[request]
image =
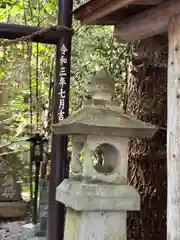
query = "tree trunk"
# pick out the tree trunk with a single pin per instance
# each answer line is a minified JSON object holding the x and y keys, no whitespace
{"x":147,"y":101}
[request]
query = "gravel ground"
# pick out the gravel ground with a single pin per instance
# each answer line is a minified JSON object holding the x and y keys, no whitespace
{"x":16,"y":231}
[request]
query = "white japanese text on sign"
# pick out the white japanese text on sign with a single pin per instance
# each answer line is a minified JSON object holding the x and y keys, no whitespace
{"x":62,"y":82}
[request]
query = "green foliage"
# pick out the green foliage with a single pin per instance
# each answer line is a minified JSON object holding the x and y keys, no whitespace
{"x":92,"y":49}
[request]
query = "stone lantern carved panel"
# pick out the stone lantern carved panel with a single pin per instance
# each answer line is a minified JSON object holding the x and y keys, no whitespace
{"x":76,"y":164}
{"x":113,"y":169}
{"x":101,"y":157}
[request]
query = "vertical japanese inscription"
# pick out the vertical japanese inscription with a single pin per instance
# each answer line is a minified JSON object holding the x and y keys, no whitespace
{"x":62,"y":81}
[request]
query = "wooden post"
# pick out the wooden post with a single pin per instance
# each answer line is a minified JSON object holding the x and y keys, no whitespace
{"x":173,"y":131}
{"x":59,"y":161}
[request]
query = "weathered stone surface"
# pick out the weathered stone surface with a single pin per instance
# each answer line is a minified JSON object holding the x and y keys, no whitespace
{"x":93,"y":197}
{"x":43,"y":209}
{"x":97,"y":225}
{"x":11,"y":205}
{"x":115,"y":155}
{"x":12,"y":209}
{"x":10,"y":189}
{"x":44,"y":184}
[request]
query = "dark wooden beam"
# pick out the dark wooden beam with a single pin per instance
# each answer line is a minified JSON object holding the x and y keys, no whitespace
{"x":120,"y":15}
{"x":148,"y":2}
{"x":93,"y":11}
{"x":13,"y":31}
{"x":148,"y":23}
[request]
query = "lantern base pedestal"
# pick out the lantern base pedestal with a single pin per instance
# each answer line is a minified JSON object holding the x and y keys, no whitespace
{"x":100,"y":225}
{"x":41,"y":230}
{"x":96,"y":211}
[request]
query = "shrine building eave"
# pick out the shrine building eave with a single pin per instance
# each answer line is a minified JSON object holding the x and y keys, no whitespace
{"x":133,"y":19}
{"x":109,"y":12}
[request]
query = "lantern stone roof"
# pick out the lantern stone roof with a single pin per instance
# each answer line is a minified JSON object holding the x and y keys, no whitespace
{"x":101,"y":116}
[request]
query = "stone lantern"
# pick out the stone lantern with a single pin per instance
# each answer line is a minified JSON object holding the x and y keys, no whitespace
{"x":97,"y":194}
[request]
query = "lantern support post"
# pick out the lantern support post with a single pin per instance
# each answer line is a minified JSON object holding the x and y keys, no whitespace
{"x":35,"y":208}
{"x":37,"y":149}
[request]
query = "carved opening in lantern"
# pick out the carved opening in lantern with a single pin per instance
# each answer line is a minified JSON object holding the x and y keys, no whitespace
{"x":105,"y":158}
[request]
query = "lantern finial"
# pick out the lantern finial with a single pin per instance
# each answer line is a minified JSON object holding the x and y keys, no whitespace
{"x":102,"y":86}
